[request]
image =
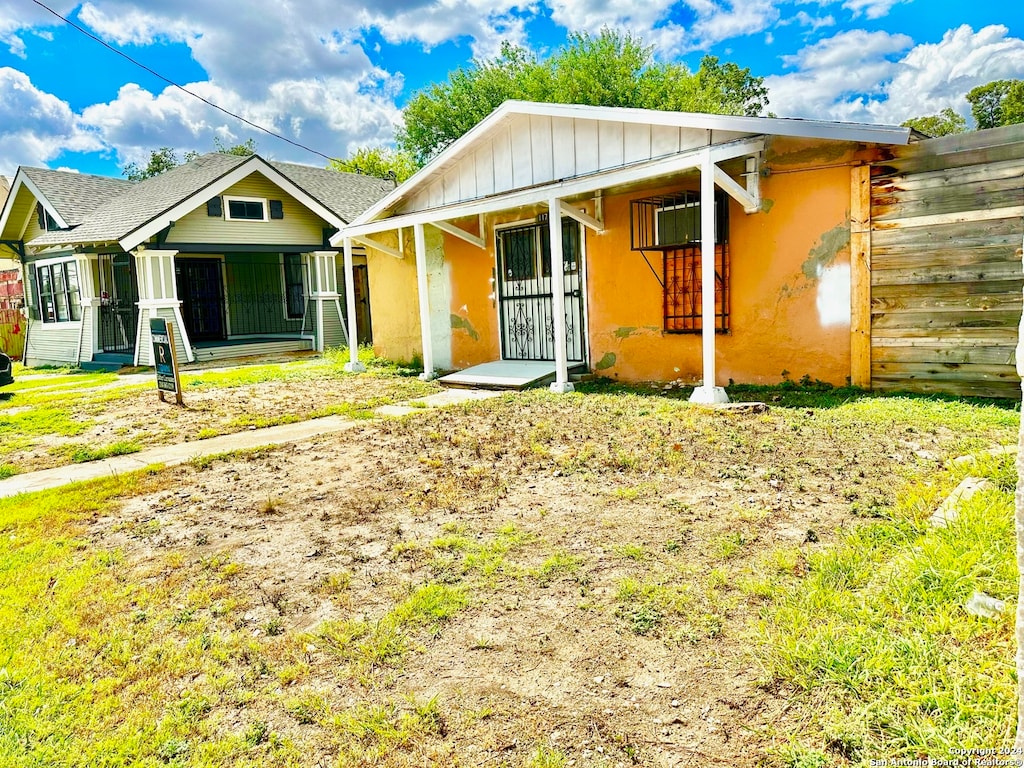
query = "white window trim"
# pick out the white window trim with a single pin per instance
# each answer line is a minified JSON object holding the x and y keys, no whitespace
{"x":261,"y":200}
{"x":37,"y":299}
{"x":664,"y":208}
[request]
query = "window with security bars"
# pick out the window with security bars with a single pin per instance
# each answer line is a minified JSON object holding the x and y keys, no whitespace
{"x":683,"y":306}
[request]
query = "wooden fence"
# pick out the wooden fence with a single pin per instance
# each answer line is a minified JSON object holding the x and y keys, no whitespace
{"x":12,"y":323}
{"x":944,"y":247}
{"x":12,"y":332}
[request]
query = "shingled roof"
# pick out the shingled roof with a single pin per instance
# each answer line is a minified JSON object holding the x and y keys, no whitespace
{"x":75,"y":195}
{"x":347,"y":194}
{"x":344,"y":194}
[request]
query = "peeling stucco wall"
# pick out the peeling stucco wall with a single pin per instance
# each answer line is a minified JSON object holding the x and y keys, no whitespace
{"x":394,"y":307}
{"x":790,"y":283}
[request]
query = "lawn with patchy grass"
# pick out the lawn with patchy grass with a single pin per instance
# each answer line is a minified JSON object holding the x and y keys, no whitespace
{"x":613,"y":577}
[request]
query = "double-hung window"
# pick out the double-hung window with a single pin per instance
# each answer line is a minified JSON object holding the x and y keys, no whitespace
{"x":672,"y":224}
{"x":57,"y":292}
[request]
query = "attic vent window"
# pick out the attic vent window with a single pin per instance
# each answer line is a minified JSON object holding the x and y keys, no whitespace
{"x":246,"y":209}
{"x":46,"y":221}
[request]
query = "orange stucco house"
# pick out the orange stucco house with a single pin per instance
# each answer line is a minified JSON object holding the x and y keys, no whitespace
{"x":559,"y":237}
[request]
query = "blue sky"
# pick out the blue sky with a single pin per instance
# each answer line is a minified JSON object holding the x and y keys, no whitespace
{"x":334,"y":74}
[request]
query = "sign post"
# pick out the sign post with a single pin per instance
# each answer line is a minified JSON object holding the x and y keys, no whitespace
{"x":165,"y":358}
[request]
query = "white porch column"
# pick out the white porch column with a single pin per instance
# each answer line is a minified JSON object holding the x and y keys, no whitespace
{"x":420,"y":240}
{"x":89,"y":301}
{"x":324,"y":291}
{"x":158,"y":297}
{"x":353,"y":365}
{"x":561,"y":383}
{"x":708,"y":392}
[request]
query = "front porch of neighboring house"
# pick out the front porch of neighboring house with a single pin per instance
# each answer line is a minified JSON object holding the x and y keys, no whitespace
{"x":222,"y":306}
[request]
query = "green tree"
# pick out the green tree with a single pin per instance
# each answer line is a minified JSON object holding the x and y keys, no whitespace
{"x":165,"y":158}
{"x":608,"y":69}
{"x":246,"y":148}
{"x":1013,"y":104}
{"x":160,"y":160}
{"x":946,"y":123}
{"x":382,"y":162}
{"x":1000,"y":102}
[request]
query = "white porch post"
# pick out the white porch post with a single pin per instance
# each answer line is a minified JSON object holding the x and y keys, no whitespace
{"x":561,"y":383}
{"x":324,"y":291}
{"x":707,"y":392}
{"x":353,"y":365}
{"x":89,"y":301}
{"x":158,"y":297}
{"x":420,"y":240}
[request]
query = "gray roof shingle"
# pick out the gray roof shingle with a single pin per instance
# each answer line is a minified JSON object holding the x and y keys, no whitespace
{"x":345,"y":194}
{"x":76,"y":195}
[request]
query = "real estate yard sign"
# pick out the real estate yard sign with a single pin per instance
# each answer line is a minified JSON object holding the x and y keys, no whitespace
{"x":165,"y":358}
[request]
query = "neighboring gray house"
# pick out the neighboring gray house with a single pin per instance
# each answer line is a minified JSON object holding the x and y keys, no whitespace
{"x":233,"y":250}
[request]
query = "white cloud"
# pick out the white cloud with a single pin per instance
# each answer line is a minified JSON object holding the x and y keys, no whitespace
{"x":873,"y":9}
{"x":333,"y":116}
{"x":35,"y":126}
{"x":17,"y":18}
{"x":722,"y":21}
{"x":862,"y":76}
{"x":486,"y":23}
{"x":814,"y":23}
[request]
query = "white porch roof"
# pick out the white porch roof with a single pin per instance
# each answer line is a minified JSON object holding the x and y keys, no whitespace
{"x":524,"y":151}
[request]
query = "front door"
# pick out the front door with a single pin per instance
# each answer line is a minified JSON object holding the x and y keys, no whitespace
{"x":201,"y":292}
{"x":119,"y":307}
{"x":525,"y":298}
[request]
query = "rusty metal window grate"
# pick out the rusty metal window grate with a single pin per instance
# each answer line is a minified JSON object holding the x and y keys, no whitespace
{"x":668,"y":221}
{"x":682,"y":308}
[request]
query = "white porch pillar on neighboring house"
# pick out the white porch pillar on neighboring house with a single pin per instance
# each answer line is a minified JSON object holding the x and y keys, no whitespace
{"x":158,"y":297}
{"x":561,"y":383}
{"x":707,"y":392}
{"x":324,"y":290}
{"x":353,"y":365}
{"x":420,"y":240}
{"x":89,"y":300}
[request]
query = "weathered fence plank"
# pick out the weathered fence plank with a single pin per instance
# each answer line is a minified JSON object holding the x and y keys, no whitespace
{"x":946,"y":232}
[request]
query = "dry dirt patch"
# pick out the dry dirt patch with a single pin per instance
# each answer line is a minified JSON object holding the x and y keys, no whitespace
{"x":612,"y":555}
{"x":113,"y":414}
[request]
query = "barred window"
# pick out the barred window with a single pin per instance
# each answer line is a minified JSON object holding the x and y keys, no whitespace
{"x":683,"y":307}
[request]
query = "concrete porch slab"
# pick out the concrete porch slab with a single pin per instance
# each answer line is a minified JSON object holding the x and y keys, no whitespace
{"x":502,"y":374}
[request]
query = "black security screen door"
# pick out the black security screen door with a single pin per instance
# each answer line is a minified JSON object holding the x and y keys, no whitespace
{"x":119,"y":307}
{"x":525,"y":297}
{"x":201,"y":291}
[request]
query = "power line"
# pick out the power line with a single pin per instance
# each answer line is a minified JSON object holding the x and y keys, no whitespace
{"x":182,"y":88}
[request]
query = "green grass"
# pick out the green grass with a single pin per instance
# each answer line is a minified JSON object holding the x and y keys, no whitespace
{"x":92,"y":649}
{"x":79,"y":453}
{"x":875,"y":642}
{"x":383,"y":643}
{"x":112,"y":658}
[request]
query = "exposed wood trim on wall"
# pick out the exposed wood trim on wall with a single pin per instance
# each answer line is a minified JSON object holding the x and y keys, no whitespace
{"x":371,"y":243}
{"x":460,"y":233}
{"x":860,"y":276}
{"x":581,"y":217}
{"x":750,"y":203}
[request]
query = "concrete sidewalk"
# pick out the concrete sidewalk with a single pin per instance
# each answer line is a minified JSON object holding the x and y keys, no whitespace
{"x":170,"y":455}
